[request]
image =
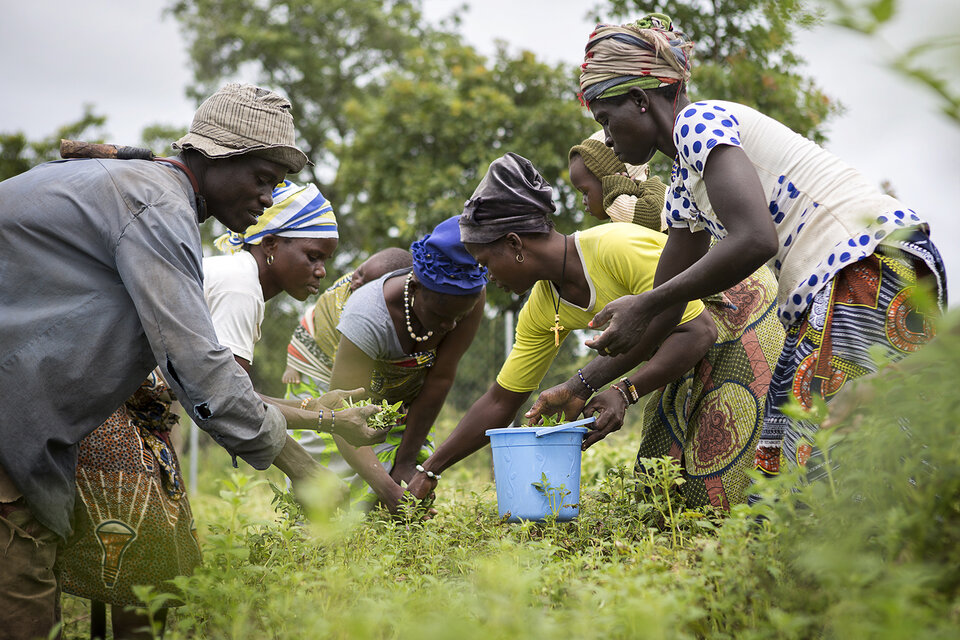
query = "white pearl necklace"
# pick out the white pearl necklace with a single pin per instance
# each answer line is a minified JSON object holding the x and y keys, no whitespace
{"x":407,"y":306}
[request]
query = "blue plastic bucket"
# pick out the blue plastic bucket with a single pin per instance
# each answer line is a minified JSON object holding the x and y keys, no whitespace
{"x":538,"y":475}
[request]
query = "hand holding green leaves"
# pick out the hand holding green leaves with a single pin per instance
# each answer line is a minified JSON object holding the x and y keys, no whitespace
{"x":560,"y":400}
{"x":386,"y":418}
{"x":357,"y":423}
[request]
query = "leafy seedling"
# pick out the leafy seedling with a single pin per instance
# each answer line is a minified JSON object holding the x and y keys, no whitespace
{"x":386,"y":418}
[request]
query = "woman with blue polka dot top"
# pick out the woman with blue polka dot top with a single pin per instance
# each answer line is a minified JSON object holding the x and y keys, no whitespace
{"x":847,"y":257}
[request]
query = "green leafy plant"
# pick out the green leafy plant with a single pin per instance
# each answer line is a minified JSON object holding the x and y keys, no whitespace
{"x":554,"y":495}
{"x":552,"y":421}
{"x":871,"y":554}
{"x":386,"y":418}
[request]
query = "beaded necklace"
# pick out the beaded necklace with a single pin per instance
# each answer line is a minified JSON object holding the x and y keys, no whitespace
{"x":408,"y":306}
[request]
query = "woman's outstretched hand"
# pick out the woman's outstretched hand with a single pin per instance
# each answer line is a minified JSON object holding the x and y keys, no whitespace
{"x":421,"y":486}
{"x":611,"y":408}
{"x":335,"y":398}
{"x":625,"y":319}
{"x":403,"y":473}
{"x":559,"y":399}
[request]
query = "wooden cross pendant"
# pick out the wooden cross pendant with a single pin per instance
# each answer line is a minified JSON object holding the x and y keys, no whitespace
{"x":556,"y":328}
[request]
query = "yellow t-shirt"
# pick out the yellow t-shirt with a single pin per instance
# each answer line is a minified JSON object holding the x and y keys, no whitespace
{"x":619,"y":259}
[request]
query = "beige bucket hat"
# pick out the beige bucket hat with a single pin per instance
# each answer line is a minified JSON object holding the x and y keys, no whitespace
{"x":243,"y":118}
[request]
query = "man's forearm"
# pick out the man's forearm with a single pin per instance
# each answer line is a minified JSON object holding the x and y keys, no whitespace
{"x":295,"y":462}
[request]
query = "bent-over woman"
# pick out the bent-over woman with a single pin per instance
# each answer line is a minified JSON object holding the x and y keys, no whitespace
{"x":693,"y":418}
{"x":848,"y":258}
{"x":506,"y":226}
{"x":402,"y":337}
{"x":313,"y":345}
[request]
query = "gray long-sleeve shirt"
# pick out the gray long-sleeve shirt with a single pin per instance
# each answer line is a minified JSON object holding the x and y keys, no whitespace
{"x":100,"y":281}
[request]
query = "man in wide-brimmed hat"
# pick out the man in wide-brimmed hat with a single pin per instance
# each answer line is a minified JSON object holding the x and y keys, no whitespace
{"x":100,"y":282}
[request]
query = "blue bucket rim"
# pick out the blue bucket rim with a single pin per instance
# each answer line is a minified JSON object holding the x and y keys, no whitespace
{"x":533,"y":430}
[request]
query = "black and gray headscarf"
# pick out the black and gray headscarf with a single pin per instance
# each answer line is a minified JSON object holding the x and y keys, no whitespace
{"x":512,"y":198}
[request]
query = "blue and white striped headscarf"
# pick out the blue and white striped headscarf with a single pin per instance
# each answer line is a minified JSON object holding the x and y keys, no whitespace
{"x":297,"y":212}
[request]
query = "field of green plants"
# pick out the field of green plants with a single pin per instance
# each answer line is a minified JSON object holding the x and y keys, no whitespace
{"x":873,"y":552}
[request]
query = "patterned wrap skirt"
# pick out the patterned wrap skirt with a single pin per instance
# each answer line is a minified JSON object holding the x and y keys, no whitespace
{"x":868,"y":311}
{"x":710,"y":419}
{"x":132,"y":520}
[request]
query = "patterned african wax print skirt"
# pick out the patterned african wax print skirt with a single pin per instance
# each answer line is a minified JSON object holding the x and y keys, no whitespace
{"x":710,"y":419}
{"x":132,"y":522}
{"x":397,"y":380}
{"x":867,"y":311}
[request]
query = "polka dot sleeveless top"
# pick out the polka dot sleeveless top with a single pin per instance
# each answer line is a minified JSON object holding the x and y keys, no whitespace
{"x":827,"y":215}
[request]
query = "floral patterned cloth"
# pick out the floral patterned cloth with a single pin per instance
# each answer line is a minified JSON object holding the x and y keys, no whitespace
{"x":711,"y":418}
{"x":866,"y":310}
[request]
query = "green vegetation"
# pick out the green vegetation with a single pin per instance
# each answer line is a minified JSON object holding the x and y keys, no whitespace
{"x":402,"y":118}
{"x":386,"y":418}
{"x":871,"y":554}
{"x":18,"y":154}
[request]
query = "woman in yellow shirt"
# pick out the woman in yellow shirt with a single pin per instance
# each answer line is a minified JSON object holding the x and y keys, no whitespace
{"x":506,"y":226}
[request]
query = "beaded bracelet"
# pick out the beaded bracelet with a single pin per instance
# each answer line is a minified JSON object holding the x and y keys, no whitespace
{"x":632,"y":390}
{"x":584,"y":381}
{"x":430,"y":474}
{"x":622,"y":392}
{"x":333,"y":421}
{"x":320,"y":420}
{"x":305,"y":402}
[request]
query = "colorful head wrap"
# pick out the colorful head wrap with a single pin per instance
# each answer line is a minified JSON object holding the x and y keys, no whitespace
{"x":512,"y":197}
{"x":628,"y":196}
{"x":442,"y":264}
{"x":297,"y":212}
{"x":649,"y":53}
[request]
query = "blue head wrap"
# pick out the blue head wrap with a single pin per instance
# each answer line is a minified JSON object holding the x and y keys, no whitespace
{"x":442,"y":264}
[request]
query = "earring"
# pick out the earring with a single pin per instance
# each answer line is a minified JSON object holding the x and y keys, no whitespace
{"x":643,"y":109}
{"x":269,"y":260}
{"x":519,"y":257}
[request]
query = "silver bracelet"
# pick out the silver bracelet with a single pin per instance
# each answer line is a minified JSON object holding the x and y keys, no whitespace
{"x":430,"y":474}
{"x":626,"y":398}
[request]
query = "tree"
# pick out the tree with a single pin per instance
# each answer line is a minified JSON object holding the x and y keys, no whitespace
{"x":18,"y":154}
{"x":319,"y":53}
{"x":404,"y":115}
{"x":422,"y":143}
{"x":158,"y":138}
{"x":400,"y":117}
{"x":742,"y":52}
{"x":931,"y":62}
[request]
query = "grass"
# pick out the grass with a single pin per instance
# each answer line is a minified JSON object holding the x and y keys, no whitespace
{"x":873,"y":553}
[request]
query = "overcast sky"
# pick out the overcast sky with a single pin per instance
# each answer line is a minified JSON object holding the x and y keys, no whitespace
{"x":128,"y":62}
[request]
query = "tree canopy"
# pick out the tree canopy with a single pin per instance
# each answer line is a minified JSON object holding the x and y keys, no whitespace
{"x":18,"y":153}
{"x":402,"y":117}
{"x":422,"y":143}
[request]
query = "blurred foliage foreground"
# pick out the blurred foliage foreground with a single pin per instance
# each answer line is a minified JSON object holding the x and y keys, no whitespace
{"x":871,"y":553}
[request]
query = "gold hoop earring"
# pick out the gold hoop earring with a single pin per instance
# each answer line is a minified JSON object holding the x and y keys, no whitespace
{"x":519,"y":257}
{"x":269,"y":260}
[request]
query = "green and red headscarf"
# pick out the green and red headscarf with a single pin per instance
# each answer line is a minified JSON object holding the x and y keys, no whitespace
{"x":648,"y":53}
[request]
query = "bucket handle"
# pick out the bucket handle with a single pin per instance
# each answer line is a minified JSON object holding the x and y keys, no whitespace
{"x":563,"y":427}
